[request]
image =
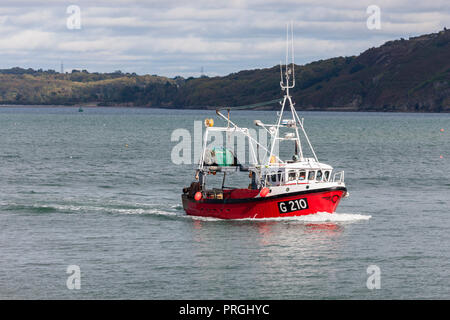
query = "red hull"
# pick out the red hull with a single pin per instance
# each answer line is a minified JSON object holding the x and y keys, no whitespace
{"x":324,"y":200}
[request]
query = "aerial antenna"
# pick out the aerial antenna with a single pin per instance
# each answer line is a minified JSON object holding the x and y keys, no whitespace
{"x":292,"y":52}
{"x":287,"y":45}
{"x":288,"y":79}
{"x":281,"y":75}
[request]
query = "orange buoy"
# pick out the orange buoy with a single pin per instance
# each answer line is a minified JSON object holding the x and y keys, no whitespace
{"x":264,"y":192}
{"x":198,"y":196}
{"x":442,"y":130}
{"x":209,"y":122}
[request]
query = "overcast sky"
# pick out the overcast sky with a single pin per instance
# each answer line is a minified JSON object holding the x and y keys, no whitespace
{"x":174,"y":37}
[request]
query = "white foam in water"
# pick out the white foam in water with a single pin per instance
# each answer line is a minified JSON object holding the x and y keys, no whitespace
{"x":142,"y":211}
{"x":132,"y":211}
{"x":318,"y":217}
{"x":332,"y":217}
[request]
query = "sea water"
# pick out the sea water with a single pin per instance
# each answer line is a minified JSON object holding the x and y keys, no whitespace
{"x":98,"y":190}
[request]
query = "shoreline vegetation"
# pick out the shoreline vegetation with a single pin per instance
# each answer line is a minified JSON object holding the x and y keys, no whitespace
{"x":406,"y":75}
{"x":87,"y":106}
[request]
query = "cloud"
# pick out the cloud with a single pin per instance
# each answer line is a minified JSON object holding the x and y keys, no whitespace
{"x":174,"y":37}
{"x":27,"y":40}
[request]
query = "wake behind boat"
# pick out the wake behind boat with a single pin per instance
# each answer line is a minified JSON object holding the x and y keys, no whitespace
{"x":278,"y":188}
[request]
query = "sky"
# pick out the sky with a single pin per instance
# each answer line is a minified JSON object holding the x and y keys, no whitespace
{"x":182,"y":38}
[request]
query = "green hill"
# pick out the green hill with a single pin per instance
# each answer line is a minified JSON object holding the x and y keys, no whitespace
{"x":401,"y":75}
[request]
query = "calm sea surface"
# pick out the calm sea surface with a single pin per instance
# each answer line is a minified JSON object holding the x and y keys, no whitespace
{"x":98,"y":190}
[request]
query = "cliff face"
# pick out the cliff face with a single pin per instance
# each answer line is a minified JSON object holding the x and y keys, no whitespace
{"x":401,"y":75}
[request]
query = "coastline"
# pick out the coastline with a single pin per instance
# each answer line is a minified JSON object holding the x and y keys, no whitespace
{"x":209,"y":108}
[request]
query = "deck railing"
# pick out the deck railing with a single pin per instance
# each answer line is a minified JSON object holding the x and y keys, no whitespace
{"x":338,"y":176}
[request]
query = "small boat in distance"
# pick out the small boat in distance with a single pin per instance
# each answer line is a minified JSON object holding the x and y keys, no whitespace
{"x":278,"y":188}
{"x":80,"y":109}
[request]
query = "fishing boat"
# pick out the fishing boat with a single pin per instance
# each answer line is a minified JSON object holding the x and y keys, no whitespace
{"x":277,"y":188}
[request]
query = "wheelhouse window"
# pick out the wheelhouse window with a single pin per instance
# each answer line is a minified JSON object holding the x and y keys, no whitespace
{"x":292,"y":175}
{"x":319,"y":175}
{"x":280,"y":176}
{"x":311,"y":175}
{"x":327,"y":175}
{"x":302,"y":175}
{"x":274,"y":178}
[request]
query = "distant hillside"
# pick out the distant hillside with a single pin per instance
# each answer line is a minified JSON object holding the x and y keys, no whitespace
{"x":27,"y":86}
{"x":401,"y":75}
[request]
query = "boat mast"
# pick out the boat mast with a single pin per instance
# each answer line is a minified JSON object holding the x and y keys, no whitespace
{"x":288,"y":82}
